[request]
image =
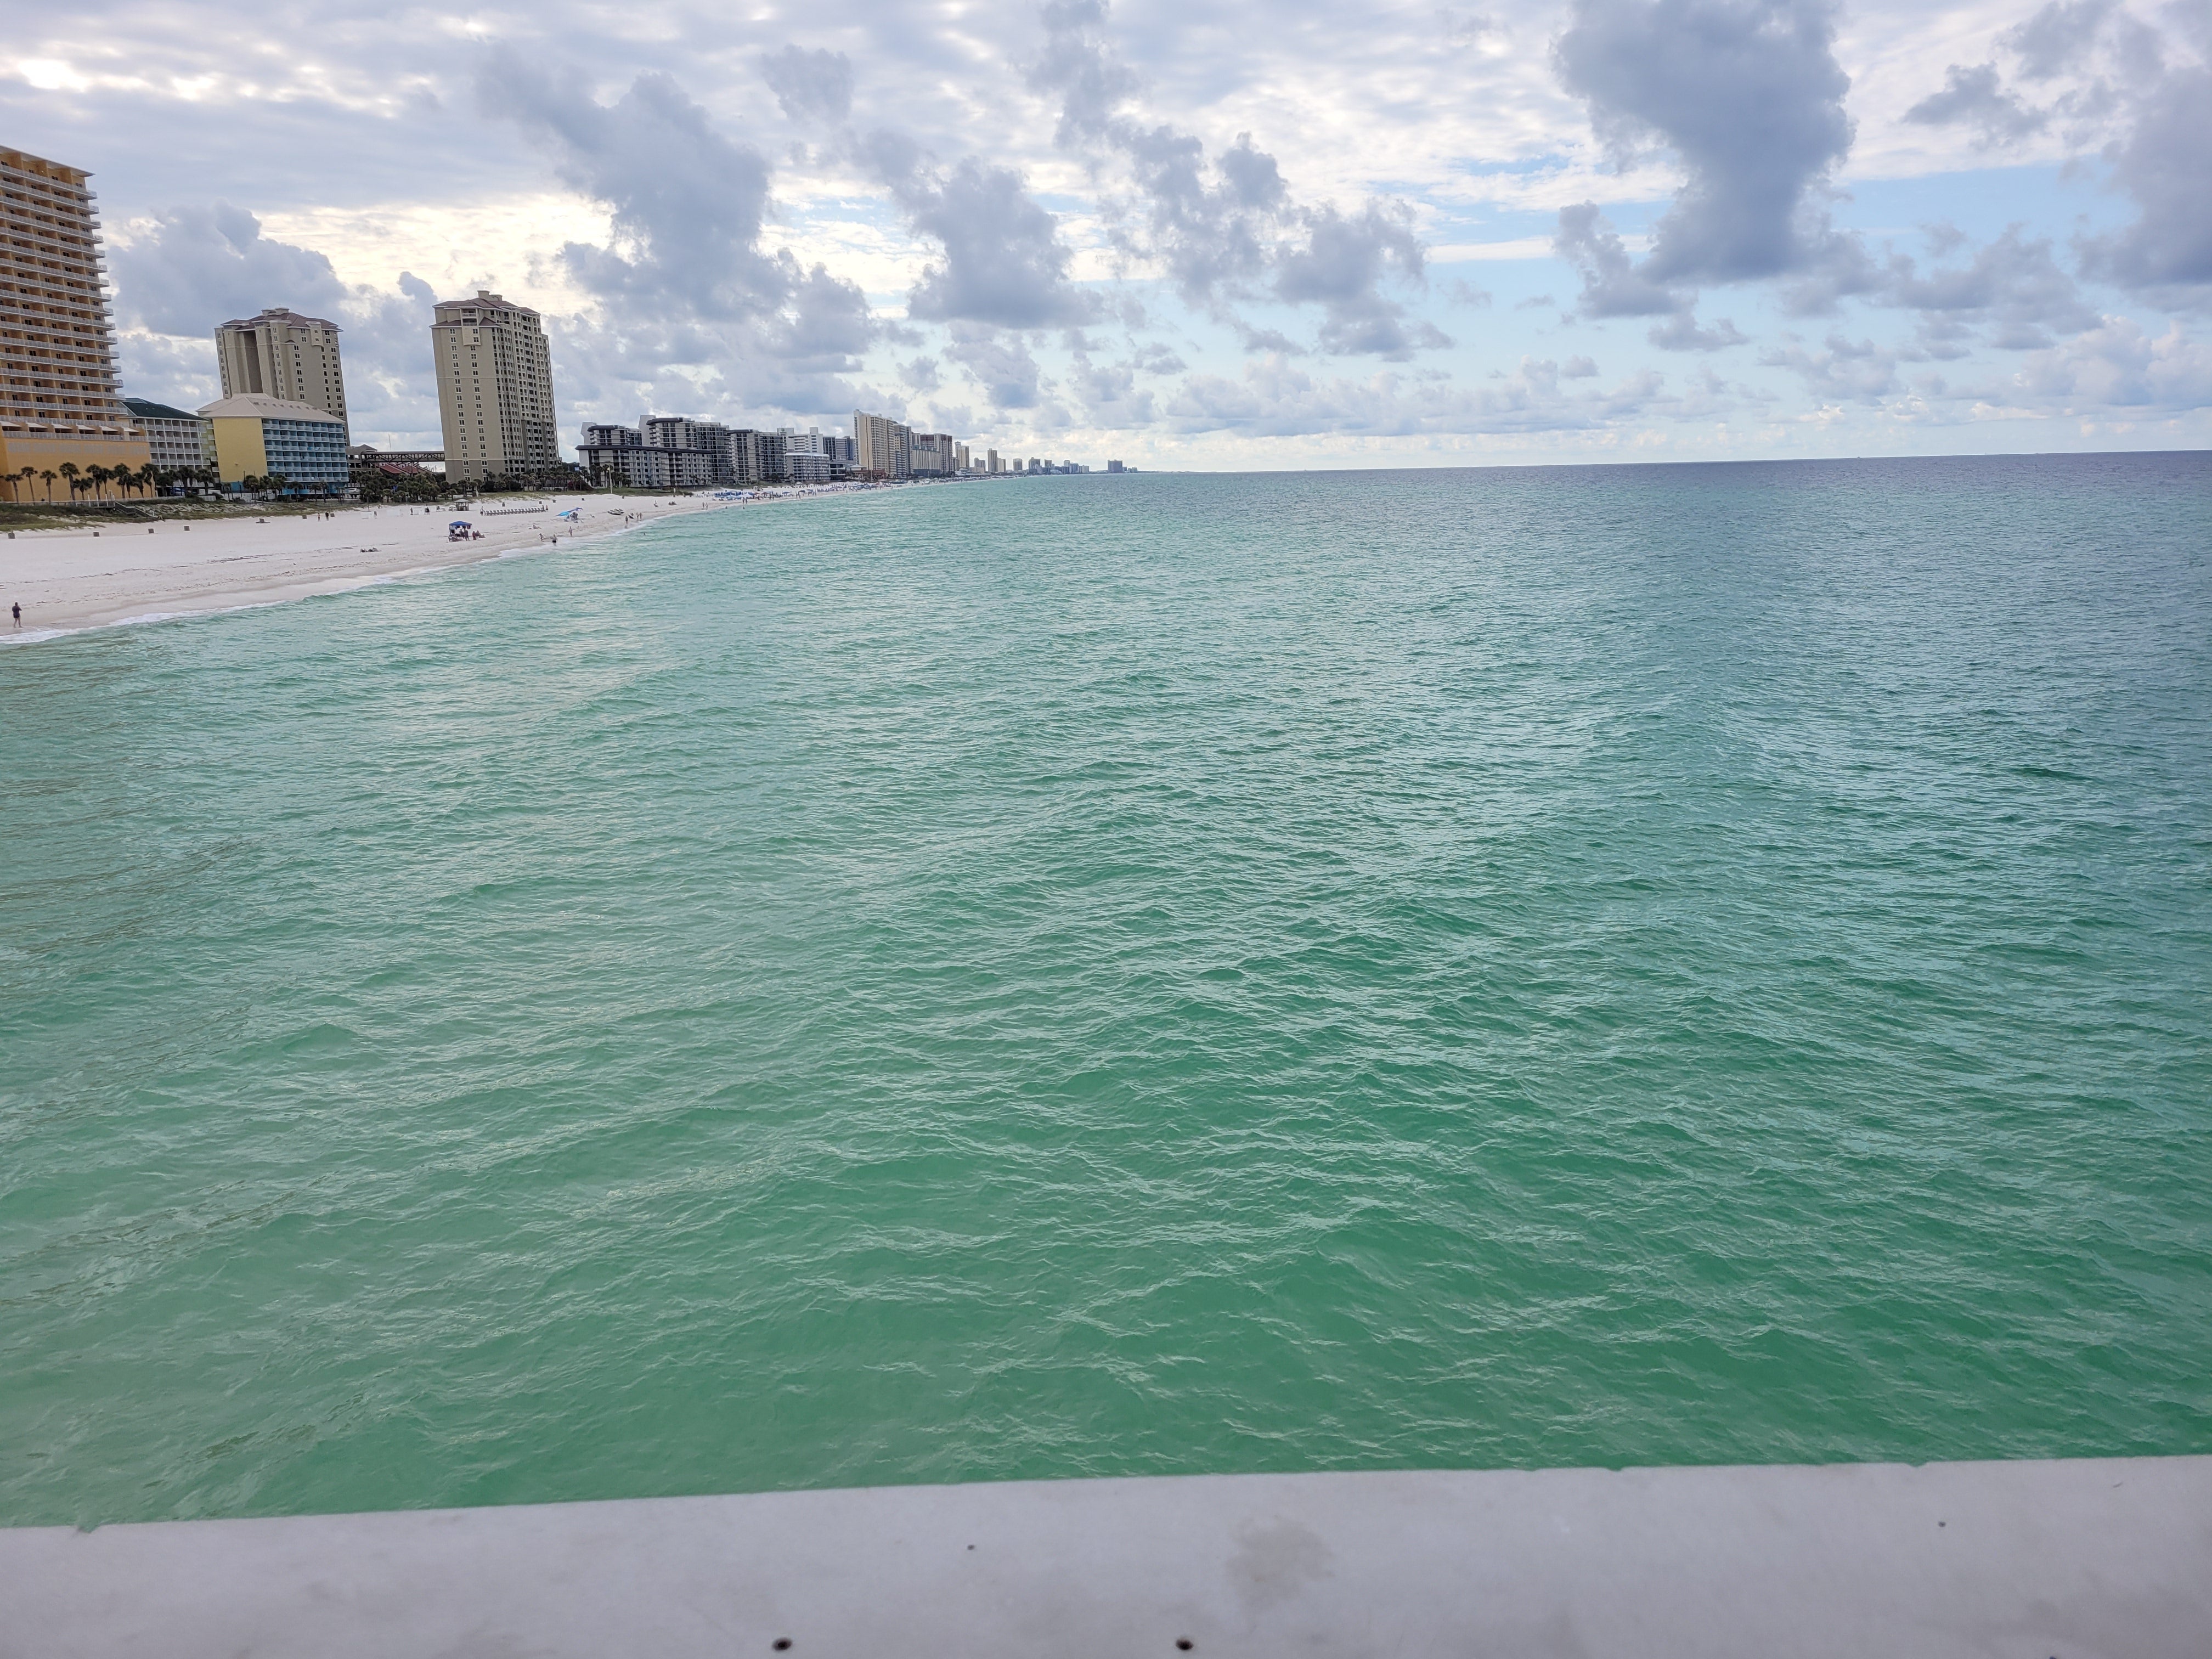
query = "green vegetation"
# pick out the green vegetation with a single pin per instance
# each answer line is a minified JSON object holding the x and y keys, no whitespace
{"x":63,"y":515}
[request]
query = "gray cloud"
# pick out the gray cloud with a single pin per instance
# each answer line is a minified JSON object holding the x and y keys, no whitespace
{"x":1340,"y":267}
{"x":380,"y":145}
{"x":1091,"y":82}
{"x":1974,"y":98}
{"x":2013,"y":284}
{"x":811,"y":86}
{"x":194,"y":267}
{"x":687,"y":204}
{"x":2065,"y":38}
{"x":2116,"y":366}
{"x":1682,"y":332}
{"x":1108,"y":394}
{"x":1613,"y":286}
{"x":1846,"y":371}
{"x":1210,"y":236}
{"x":998,"y":362}
{"x":1212,"y":226}
{"x":2162,"y":157}
{"x":2166,"y":165}
{"x":1003,"y":263}
{"x":684,"y":282}
{"x":1748,"y":97}
{"x":2058,"y":38}
{"x":1230,"y":229}
{"x":2011,"y":294}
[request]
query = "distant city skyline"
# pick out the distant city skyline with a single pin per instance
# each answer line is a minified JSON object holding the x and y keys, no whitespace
{"x":1196,"y":236}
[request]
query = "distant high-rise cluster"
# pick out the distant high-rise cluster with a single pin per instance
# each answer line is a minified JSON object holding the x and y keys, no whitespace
{"x":884,"y":449}
{"x":675,"y":452}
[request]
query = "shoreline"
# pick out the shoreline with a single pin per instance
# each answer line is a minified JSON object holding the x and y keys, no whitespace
{"x":110,"y":575}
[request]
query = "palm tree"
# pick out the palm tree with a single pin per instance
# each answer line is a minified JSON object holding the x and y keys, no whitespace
{"x":48,"y":478}
{"x":69,"y":473}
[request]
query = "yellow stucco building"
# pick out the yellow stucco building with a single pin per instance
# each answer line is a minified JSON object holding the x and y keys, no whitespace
{"x":256,"y":437}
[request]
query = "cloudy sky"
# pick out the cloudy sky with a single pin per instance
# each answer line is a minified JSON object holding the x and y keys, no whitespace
{"x":1188,"y":232}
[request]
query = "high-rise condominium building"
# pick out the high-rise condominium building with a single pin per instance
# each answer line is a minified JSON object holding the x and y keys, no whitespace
{"x":881,"y":445}
{"x":59,"y":401}
{"x":494,"y":389}
{"x":280,"y":354}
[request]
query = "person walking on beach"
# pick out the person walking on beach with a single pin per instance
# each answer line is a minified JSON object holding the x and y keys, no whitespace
{"x":18,"y":610}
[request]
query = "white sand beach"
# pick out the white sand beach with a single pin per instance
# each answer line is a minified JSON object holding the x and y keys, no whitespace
{"x":73,"y":579}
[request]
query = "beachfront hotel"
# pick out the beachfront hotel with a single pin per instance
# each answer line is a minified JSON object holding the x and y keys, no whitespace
{"x":176,"y":437}
{"x":494,"y":389}
{"x":59,"y":402}
{"x":281,"y":354}
{"x":259,"y":437}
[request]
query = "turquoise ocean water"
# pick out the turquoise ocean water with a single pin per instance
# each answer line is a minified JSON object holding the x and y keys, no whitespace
{"x":1126,"y":976}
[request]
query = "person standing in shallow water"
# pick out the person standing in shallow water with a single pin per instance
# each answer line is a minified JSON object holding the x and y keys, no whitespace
{"x":16,"y":609}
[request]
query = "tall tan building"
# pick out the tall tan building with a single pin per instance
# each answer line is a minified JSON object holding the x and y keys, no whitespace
{"x":281,"y":354}
{"x":494,"y":389}
{"x":882,"y":444}
{"x":58,"y":400}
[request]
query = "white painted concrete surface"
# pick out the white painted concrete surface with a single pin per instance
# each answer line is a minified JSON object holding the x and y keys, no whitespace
{"x":2088,"y":1560}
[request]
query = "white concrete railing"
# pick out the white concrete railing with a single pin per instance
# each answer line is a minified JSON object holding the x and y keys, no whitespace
{"x":2078,"y":1560}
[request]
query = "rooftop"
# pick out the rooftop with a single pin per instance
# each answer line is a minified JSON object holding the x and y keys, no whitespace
{"x":484,"y":301}
{"x":39,"y":164}
{"x":255,"y":405}
{"x":280,"y":314}
{"x":152,"y":411}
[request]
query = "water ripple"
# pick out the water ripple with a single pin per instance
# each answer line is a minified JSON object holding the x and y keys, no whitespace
{"x":1135,"y":976}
